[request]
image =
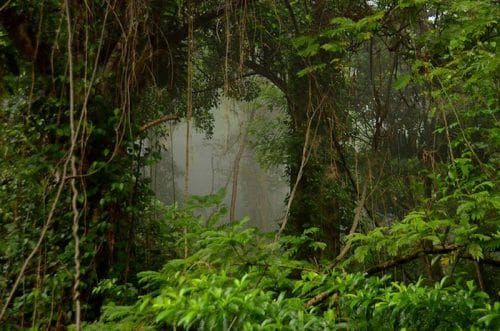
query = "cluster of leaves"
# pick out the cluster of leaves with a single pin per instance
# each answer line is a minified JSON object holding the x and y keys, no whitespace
{"x":458,"y":63}
{"x":464,"y":217}
{"x":34,"y":138}
{"x":342,"y":34}
{"x":28,"y":178}
{"x":231,"y":276}
{"x":269,"y":131}
{"x":234,"y":277}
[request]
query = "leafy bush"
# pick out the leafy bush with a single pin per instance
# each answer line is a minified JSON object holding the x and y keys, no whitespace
{"x":235,"y":277}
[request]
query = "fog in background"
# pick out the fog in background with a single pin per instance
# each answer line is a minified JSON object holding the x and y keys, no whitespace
{"x":260,"y":193}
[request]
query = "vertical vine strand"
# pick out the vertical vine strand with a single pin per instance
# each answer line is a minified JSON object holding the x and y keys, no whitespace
{"x":74,"y":190}
{"x":189,"y":103}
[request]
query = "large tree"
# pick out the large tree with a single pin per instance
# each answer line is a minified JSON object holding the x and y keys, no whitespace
{"x":82,"y":85}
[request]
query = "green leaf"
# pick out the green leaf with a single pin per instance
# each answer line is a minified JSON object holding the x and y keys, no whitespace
{"x":332,"y":47}
{"x":311,"y":69}
{"x":402,"y":82}
{"x":306,"y":46}
{"x":475,"y":251}
{"x":361,"y":253}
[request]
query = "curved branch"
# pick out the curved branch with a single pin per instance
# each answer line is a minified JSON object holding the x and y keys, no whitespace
{"x":402,"y":260}
{"x":434,"y":250}
{"x":355,"y":223}
{"x":261,"y":70}
{"x":319,"y":298}
{"x":169,"y":117}
{"x":410,"y":257}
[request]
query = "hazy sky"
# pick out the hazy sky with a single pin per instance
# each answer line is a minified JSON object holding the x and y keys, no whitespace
{"x":260,"y":193}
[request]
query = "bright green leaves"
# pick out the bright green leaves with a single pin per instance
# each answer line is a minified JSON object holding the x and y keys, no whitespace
{"x":361,"y":253}
{"x":237,"y":278}
{"x":307,"y":46}
{"x":359,"y":31}
{"x":457,"y":59}
{"x":333,"y":47}
{"x":491,"y":316}
{"x":234,"y":277}
{"x":461,"y":64}
{"x":410,"y":3}
{"x":417,"y":307}
{"x":475,"y":251}
{"x":311,"y":69}
{"x":335,"y":40}
{"x":463,"y":219}
{"x":210,"y":301}
{"x":402,"y":82}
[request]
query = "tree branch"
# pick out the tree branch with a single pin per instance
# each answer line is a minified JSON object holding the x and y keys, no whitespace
{"x":5,"y":5}
{"x":169,"y":117}
{"x":419,"y":253}
{"x":345,"y":165}
{"x":355,"y":223}
{"x":402,"y":260}
{"x":410,"y":257}
{"x":203,"y":20}
{"x":319,"y":298}
{"x":260,"y":70}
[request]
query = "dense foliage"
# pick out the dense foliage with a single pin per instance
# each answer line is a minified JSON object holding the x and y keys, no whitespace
{"x":237,"y":278}
{"x":387,"y":129}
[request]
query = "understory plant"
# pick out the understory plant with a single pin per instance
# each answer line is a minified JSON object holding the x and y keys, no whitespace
{"x":233,"y":277}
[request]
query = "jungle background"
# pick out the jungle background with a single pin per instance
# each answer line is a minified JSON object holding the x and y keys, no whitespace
{"x":360,"y":137}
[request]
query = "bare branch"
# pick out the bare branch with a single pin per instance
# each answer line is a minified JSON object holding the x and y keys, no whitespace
{"x":5,"y":5}
{"x":261,"y":70}
{"x":355,"y":223}
{"x":166,"y":118}
{"x":410,"y":257}
{"x":434,"y":250}
{"x":319,"y":298}
{"x":306,"y":153}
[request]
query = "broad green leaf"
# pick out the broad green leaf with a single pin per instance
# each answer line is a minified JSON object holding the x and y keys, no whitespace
{"x":402,"y":82}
